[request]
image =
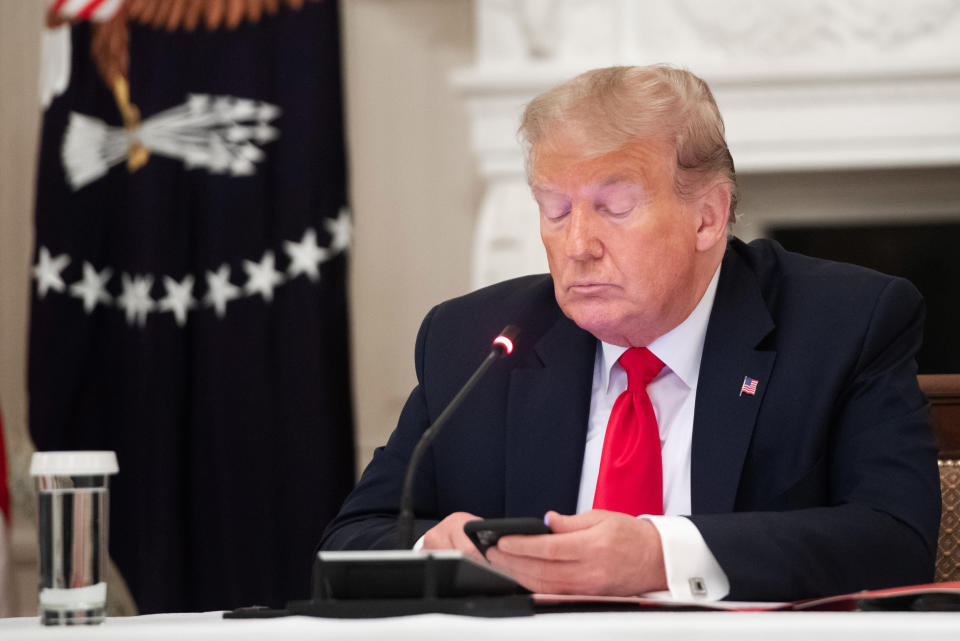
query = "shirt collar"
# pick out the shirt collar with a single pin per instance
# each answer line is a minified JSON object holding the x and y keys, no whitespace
{"x":680,"y":349}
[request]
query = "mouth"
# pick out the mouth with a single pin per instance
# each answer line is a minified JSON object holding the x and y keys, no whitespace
{"x":588,"y":287}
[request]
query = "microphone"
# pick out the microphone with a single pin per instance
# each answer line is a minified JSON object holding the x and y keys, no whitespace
{"x":501,"y":346}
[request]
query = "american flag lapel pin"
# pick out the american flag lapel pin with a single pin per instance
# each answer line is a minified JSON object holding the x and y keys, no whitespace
{"x":749,"y":386}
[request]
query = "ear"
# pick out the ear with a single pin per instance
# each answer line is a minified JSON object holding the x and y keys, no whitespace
{"x":713,"y":211}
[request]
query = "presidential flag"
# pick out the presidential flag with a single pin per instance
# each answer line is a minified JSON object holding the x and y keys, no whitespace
{"x":189,"y":305}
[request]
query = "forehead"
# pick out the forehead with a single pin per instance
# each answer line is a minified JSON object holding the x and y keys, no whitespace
{"x":559,"y":163}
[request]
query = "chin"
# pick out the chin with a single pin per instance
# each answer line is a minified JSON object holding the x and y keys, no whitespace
{"x":595,"y":321}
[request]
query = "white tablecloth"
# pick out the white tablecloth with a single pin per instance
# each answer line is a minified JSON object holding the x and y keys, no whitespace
{"x":741,"y":626}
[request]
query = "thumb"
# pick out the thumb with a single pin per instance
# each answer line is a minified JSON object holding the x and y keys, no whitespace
{"x":561,"y":523}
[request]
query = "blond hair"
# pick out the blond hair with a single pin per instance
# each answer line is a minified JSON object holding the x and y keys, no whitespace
{"x":617,"y":105}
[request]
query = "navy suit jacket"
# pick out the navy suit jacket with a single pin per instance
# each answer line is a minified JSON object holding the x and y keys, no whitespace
{"x":824,"y":481}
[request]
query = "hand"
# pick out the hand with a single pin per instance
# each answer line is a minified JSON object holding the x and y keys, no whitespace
{"x":597,"y":552}
{"x":448,"y":535}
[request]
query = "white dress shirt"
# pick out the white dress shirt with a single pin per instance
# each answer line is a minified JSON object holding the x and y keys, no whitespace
{"x":692,"y":570}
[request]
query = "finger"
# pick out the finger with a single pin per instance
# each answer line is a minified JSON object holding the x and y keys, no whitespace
{"x":560,"y":523}
{"x":466,"y":546}
{"x":448,"y":535}
{"x":570,"y":546}
{"x":460,"y":541}
{"x":537,"y":575}
{"x":435,"y":539}
{"x":438,"y":537}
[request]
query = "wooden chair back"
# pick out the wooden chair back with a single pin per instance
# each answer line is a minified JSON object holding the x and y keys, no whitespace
{"x":943,"y":390}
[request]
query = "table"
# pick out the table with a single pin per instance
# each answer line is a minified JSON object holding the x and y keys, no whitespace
{"x":672,"y":626}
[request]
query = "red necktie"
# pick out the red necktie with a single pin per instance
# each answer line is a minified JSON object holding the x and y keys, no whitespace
{"x":631,"y":471}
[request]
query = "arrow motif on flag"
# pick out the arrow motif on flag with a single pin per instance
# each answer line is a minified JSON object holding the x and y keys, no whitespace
{"x":218,"y":133}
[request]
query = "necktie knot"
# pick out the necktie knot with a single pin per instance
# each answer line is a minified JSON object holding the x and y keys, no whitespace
{"x":641,"y":366}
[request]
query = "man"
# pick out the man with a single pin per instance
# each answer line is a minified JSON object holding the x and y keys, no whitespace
{"x":794,"y":457}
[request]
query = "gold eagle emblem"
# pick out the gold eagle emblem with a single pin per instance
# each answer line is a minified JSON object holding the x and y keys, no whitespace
{"x":110,"y":38}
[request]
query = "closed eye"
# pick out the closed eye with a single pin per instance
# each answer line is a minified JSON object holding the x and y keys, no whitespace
{"x":613,"y":212}
{"x":554,"y":214}
{"x":618,"y":199}
{"x":553,"y":206}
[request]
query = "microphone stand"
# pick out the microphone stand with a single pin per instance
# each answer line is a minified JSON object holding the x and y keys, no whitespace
{"x":381,"y":583}
{"x":405,"y":519}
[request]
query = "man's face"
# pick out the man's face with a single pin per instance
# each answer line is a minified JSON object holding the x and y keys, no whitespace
{"x":620,"y":243}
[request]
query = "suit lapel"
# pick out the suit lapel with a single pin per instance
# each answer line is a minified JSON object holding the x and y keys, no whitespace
{"x":547,"y":411}
{"x":724,"y":418}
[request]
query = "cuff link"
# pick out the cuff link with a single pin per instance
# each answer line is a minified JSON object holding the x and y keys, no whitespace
{"x":698,"y":587}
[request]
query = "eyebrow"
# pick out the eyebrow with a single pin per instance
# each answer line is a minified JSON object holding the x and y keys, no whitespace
{"x":547,"y":189}
{"x":604,"y":188}
{"x":606,"y":182}
{"x":619,"y":178}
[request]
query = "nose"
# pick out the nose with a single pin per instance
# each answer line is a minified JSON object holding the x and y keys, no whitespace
{"x":582,"y":240}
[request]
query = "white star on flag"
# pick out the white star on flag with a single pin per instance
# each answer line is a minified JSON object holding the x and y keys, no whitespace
{"x":262,"y":277}
{"x":179,"y":298}
{"x":305,"y":256}
{"x":135,"y":299}
{"x":220,"y":290}
{"x":47,"y":272}
{"x":93,"y":288}
{"x":340,"y":229}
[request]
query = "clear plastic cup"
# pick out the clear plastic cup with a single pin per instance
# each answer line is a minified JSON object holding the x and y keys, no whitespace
{"x":73,"y":524}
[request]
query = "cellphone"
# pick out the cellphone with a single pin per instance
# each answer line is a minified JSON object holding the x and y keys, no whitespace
{"x":485,"y":533}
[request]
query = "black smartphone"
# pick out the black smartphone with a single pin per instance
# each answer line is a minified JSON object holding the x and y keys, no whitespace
{"x":485,"y":533}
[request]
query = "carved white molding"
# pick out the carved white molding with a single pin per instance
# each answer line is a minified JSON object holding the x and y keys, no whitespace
{"x":803,"y":86}
{"x":783,"y":30}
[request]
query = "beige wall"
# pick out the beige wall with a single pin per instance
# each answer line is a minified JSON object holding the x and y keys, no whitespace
{"x":413,"y":188}
{"x":19,"y":120}
{"x":413,"y":193}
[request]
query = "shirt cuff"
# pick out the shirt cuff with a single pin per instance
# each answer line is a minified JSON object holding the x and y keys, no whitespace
{"x":419,"y":544}
{"x":693,"y":573}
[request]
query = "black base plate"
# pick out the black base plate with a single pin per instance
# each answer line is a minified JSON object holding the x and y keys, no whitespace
{"x":491,"y":606}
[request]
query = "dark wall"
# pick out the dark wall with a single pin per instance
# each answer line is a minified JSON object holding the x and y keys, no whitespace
{"x":927,"y":255}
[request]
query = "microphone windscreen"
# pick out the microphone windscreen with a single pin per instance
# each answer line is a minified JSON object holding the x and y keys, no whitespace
{"x":506,"y":337}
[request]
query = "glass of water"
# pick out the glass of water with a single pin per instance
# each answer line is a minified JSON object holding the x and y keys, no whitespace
{"x":73,"y":523}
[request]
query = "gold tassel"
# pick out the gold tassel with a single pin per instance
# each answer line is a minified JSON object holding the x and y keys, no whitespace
{"x":138,"y":154}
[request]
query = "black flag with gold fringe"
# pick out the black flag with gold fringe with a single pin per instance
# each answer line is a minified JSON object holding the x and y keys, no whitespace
{"x":189,"y":306}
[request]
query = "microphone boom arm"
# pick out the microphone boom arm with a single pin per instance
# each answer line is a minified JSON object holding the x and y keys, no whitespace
{"x":502,"y":345}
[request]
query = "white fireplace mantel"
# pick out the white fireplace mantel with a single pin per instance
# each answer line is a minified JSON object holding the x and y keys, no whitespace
{"x":803,"y":86}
